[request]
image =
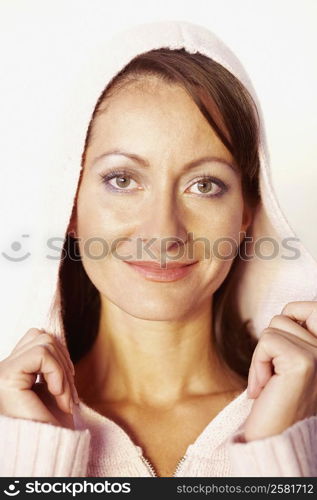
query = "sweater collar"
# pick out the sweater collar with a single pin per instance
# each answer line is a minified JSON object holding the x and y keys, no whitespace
{"x":230,"y":419}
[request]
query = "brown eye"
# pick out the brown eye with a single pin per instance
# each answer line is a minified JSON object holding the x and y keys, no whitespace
{"x":122,"y":181}
{"x":205,"y":186}
{"x":117,"y":181}
{"x":209,"y":186}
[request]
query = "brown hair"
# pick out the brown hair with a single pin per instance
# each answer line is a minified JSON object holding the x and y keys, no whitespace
{"x":232,"y":113}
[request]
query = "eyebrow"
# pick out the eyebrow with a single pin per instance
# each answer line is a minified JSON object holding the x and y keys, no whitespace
{"x":144,"y":163}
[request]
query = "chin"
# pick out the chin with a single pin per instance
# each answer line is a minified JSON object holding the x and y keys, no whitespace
{"x":155,"y":310}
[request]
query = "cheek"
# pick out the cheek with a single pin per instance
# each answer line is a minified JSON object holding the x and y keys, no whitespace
{"x":104,"y":226}
{"x":220,"y":229}
{"x":99,"y":217}
{"x":223,"y":219}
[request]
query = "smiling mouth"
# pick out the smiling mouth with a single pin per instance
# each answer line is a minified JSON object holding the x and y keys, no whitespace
{"x":154,"y":272}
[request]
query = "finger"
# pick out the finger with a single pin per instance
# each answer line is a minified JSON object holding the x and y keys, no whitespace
{"x":263,"y":372}
{"x":33,"y":334}
{"x":65,"y":354}
{"x":38,"y":337}
{"x":41,"y":359}
{"x":260,"y":373}
{"x":278,"y":353}
{"x":66,"y":395}
{"x":69,"y":368}
{"x":293,"y":340}
{"x":303,"y":311}
{"x":30,"y":335}
{"x":287,"y":353}
{"x":47,"y":339}
{"x":70,"y":387}
{"x":286,"y":324}
{"x":65,"y":358}
{"x":252,"y":382}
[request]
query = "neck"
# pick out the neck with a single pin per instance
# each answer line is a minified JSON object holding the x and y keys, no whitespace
{"x":153,"y":362}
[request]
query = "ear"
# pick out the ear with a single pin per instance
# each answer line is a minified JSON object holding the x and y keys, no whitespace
{"x":247,"y":217}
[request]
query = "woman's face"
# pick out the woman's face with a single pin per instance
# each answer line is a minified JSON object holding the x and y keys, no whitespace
{"x":158,"y":207}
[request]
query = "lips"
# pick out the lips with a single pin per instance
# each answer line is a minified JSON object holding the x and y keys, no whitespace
{"x":157,"y":265}
{"x":153,"y":271}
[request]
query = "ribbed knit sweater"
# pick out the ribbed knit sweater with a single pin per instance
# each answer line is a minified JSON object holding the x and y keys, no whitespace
{"x":99,"y":447}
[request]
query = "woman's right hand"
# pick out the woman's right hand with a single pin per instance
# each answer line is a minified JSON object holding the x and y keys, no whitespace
{"x":38,"y":352}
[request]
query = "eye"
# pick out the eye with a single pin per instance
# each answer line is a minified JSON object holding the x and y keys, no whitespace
{"x":210,"y":186}
{"x":121,"y":180}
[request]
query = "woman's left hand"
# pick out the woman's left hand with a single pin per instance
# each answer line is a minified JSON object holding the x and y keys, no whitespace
{"x":283,"y":372}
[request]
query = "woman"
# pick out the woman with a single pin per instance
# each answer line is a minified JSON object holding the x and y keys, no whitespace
{"x":166,"y":301}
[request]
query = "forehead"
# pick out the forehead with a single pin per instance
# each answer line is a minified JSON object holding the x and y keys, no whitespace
{"x":151,"y":114}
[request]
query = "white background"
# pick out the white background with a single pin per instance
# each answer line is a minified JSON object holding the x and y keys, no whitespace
{"x":275,"y":40}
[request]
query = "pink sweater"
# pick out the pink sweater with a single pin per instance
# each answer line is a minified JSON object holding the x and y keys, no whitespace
{"x":99,"y":447}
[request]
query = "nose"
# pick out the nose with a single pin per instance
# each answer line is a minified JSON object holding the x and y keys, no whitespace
{"x":164,"y":226}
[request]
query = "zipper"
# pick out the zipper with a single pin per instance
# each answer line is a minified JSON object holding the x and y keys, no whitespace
{"x":179,"y":464}
{"x":153,"y":471}
{"x":149,"y":466}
